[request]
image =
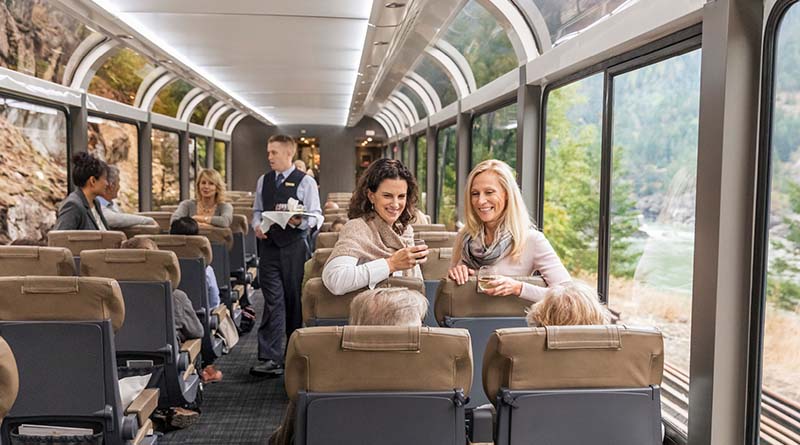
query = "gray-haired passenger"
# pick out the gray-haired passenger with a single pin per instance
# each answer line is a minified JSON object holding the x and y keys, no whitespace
{"x":117,"y":219}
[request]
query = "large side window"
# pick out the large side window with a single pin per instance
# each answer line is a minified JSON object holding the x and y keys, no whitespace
{"x":572,"y":174}
{"x":494,"y":136}
{"x":117,"y":143}
{"x":34,"y":168}
{"x":446,"y":177}
{"x":422,"y":171}
{"x":166,"y":168}
{"x":219,"y":157}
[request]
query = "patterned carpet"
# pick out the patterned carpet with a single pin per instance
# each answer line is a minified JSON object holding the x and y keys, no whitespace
{"x":241,"y":409}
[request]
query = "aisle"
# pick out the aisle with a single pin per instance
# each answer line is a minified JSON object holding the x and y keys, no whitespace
{"x":241,"y":409}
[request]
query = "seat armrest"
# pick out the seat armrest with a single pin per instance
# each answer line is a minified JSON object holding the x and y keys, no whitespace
{"x":481,"y":428}
{"x":219,"y":311}
{"x":145,"y":430}
{"x":192,"y":347}
{"x":144,"y":405}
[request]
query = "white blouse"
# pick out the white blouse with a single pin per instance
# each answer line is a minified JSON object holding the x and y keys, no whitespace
{"x":343,"y":274}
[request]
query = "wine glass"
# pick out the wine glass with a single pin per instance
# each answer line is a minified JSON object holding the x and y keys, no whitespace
{"x":486,"y":274}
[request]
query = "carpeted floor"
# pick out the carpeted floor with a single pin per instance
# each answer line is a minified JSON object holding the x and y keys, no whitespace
{"x":241,"y":409}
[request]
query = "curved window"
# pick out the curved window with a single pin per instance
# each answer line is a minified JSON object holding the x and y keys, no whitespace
{"x":446,"y":177}
{"x":572,"y":174}
{"x":219,"y":158}
{"x":433,"y":73}
{"x":565,"y":18}
{"x":422,"y":171}
{"x":119,"y":77}
{"x":117,"y":143}
{"x":494,"y":136}
{"x":39,"y":39}
{"x":480,"y":38}
{"x":221,"y":121}
{"x":201,"y":110}
{"x":166,"y":168}
{"x":412,"y":96}
{"x":34,"y":168}
{"x":169,"y":98}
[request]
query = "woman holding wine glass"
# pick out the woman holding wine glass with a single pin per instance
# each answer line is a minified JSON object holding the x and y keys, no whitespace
{"x":499,"y":239}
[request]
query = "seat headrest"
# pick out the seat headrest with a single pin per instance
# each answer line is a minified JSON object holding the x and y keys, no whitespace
{"x":22,"y":260}
{"x":327,"y":240}
{"x":39,"y":298}
{"x":378,"y":358}
{"x":556,"y":357}
{"x":171,"y":208}
{"x":239,"y":224}
{"x":184,"y":246}
{"x":222,"y":235}
{"x":465,"y":301}
{"x":79,"y":240}
{"x":162,"y":218}
{"x":437,"y":239}
{"x":319,"y":302}
{"x":318,"y":260}
{"x":132,"y":231}
{"x":9,"y":379}
{"x":429,"y":228}
{"x":240,"y":209}
{"x":132,"y":265}
{"x":438,"y":263}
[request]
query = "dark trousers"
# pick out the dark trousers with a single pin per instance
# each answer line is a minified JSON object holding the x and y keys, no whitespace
{"x":280,"y":273}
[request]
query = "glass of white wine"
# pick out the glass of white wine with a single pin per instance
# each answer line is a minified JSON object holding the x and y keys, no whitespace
{"x":486,"y":274}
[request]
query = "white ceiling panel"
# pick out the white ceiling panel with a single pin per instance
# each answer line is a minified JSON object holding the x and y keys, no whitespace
{"x":299,"y":59}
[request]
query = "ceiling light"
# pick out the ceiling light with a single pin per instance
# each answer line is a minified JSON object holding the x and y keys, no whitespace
{"x":380,"y":43}
{"x":125,"y":36}
{"x":395,"y":5}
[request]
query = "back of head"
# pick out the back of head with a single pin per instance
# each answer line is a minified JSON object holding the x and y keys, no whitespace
{"x":184,"y":226}
{"x":396,"y":306}
{"x":139,"y":243}
{"x":86,"y":166}
{"x":574,"y":303}
{"x":338,"y":224}
{"x":113,"y":175}
{"x":330,"y":205}
{"x":300,"y":165}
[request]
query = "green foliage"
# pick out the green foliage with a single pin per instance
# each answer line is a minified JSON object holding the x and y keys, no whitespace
{"x":494,"y":136}
{"x":219,"y":157}
{"x":119,"y":77}
{"x":422,"y":170}
{"x":169,"y":99}
{"x":446,"y":178}
{"x":783,"y":288}
{"x":201,"y":110}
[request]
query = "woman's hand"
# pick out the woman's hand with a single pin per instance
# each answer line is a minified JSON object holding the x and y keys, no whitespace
{"x":407,"y":258}
{"x":460,"y":274}
{"x":503,"y":287}
{"x":202,"y":219}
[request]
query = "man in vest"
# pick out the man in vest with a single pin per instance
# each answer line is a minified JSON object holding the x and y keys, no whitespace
{"x":282,"y":252}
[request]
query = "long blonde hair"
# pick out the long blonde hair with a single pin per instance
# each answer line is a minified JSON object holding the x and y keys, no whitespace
{"x":574,"y":303}
{"x":214,"y":177}
{"x":515,"y":216}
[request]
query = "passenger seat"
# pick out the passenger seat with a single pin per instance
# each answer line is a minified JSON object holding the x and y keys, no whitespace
{"x":79,"y":240}
{"x":35,"y":260}
{"x":326,"y":240}
{"x":162,"y":218}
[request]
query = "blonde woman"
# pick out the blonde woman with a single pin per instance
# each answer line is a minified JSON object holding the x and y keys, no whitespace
{"x":499,"y":233}
{"x":209,"y":207}
{"x":570,"y":304}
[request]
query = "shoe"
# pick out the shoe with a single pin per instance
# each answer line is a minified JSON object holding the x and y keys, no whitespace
{"x":211,"y":374}
{"x":183,"y":418}
{"x":267,"y":369}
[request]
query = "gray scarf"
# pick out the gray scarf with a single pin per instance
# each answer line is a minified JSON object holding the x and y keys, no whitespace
{"x":475,"y":254}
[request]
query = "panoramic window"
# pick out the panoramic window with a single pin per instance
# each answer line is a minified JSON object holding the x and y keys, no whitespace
{"x":166,"y":168}
{"x":652,"y":213}
{"x":494,"y":136}
{"x":781,"y":367}
{"x":201,"y":110}
{"x":39,"y":39}
{"x":119,"y":77}
{"x":34,"y":168}
{"x":572,"y":174}
{"x":480,"y":38}
{"x":192,"y":164}
{"x":117,"y":143}
{"x":219,"y":157}
{"x":221,"y":120}
{"x":412,"y":96}
{"x":446,"y":177}
{"x":169,"y":98}
{"x":422,"y":171}
{"x":202,"y":158}
{"x":567,"y":18}
{"x":433,"y":73}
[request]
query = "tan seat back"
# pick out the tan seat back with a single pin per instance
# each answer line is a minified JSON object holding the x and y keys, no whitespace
{"x":437,"y":239}
{"x":26,"y":260}
{"x":423,"y":219}
{"x":318,"y":260}
{"x":326,"y":227}
{"x":326,"y":240}
{"x":218,"y":235}
{"x":79,"y":240}
{"x":428,"y":228}
{"x":239,"y":224}
{"x":171,"y":208}
{"x":378,"y":358}
{"x":334,"y":213}
{"x":184,"y":246}
{"x":132,"y":265}
{"x":243,"y":209}
{"x":568,"y":357}
{"x":132,"y":231}
{"x":162,"y":218}
{"x":9,"y":379}
{"x":465,"y":301}
{"x":437,"y":264}
{"x":39,"y":298}
{"x":318,"y":302}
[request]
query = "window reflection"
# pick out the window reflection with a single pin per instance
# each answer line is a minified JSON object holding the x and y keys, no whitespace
{"x":117,"y":143}
{"x":166,"y":168}
{"x":565,"y":18}
{"x":412,"y":96}
{"x":433,"y":73}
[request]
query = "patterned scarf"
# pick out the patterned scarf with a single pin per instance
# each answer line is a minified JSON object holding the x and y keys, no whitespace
{"x":475,"y":253}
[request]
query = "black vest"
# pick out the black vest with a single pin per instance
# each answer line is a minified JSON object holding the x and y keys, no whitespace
{"x":272,"y":195}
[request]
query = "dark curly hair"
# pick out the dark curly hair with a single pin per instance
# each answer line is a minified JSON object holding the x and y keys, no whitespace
{"x":85,"y":166}
{"x":385,"y":168}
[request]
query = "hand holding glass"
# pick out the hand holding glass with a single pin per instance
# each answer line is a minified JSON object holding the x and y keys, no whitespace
{"x":486,"y":274}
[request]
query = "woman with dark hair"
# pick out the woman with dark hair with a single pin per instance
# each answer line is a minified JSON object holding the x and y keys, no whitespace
{"x":80,"y":211}
{"x":377,"y":242}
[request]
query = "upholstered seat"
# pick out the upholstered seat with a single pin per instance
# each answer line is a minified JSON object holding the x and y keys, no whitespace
{"x":34,"y":260}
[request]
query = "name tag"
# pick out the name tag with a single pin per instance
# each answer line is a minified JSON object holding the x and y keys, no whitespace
{"x":289,"y":184}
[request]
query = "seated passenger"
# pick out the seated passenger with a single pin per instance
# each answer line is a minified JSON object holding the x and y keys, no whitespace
{"x":376,"y":242}
{"x":499,"y":233}
{"x":395,"y":306}
{"x":209,"y":207}
{"x":117,"y":219}
{"x":188,"y":226}
{"x":300,"y":165}
{"x":338,"y":224}
{"x":330,"y":205}
{"x":573,"y":303}
{"x":80,"y":211}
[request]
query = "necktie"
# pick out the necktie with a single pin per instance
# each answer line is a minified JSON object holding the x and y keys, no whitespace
{"x":279,"y":180}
